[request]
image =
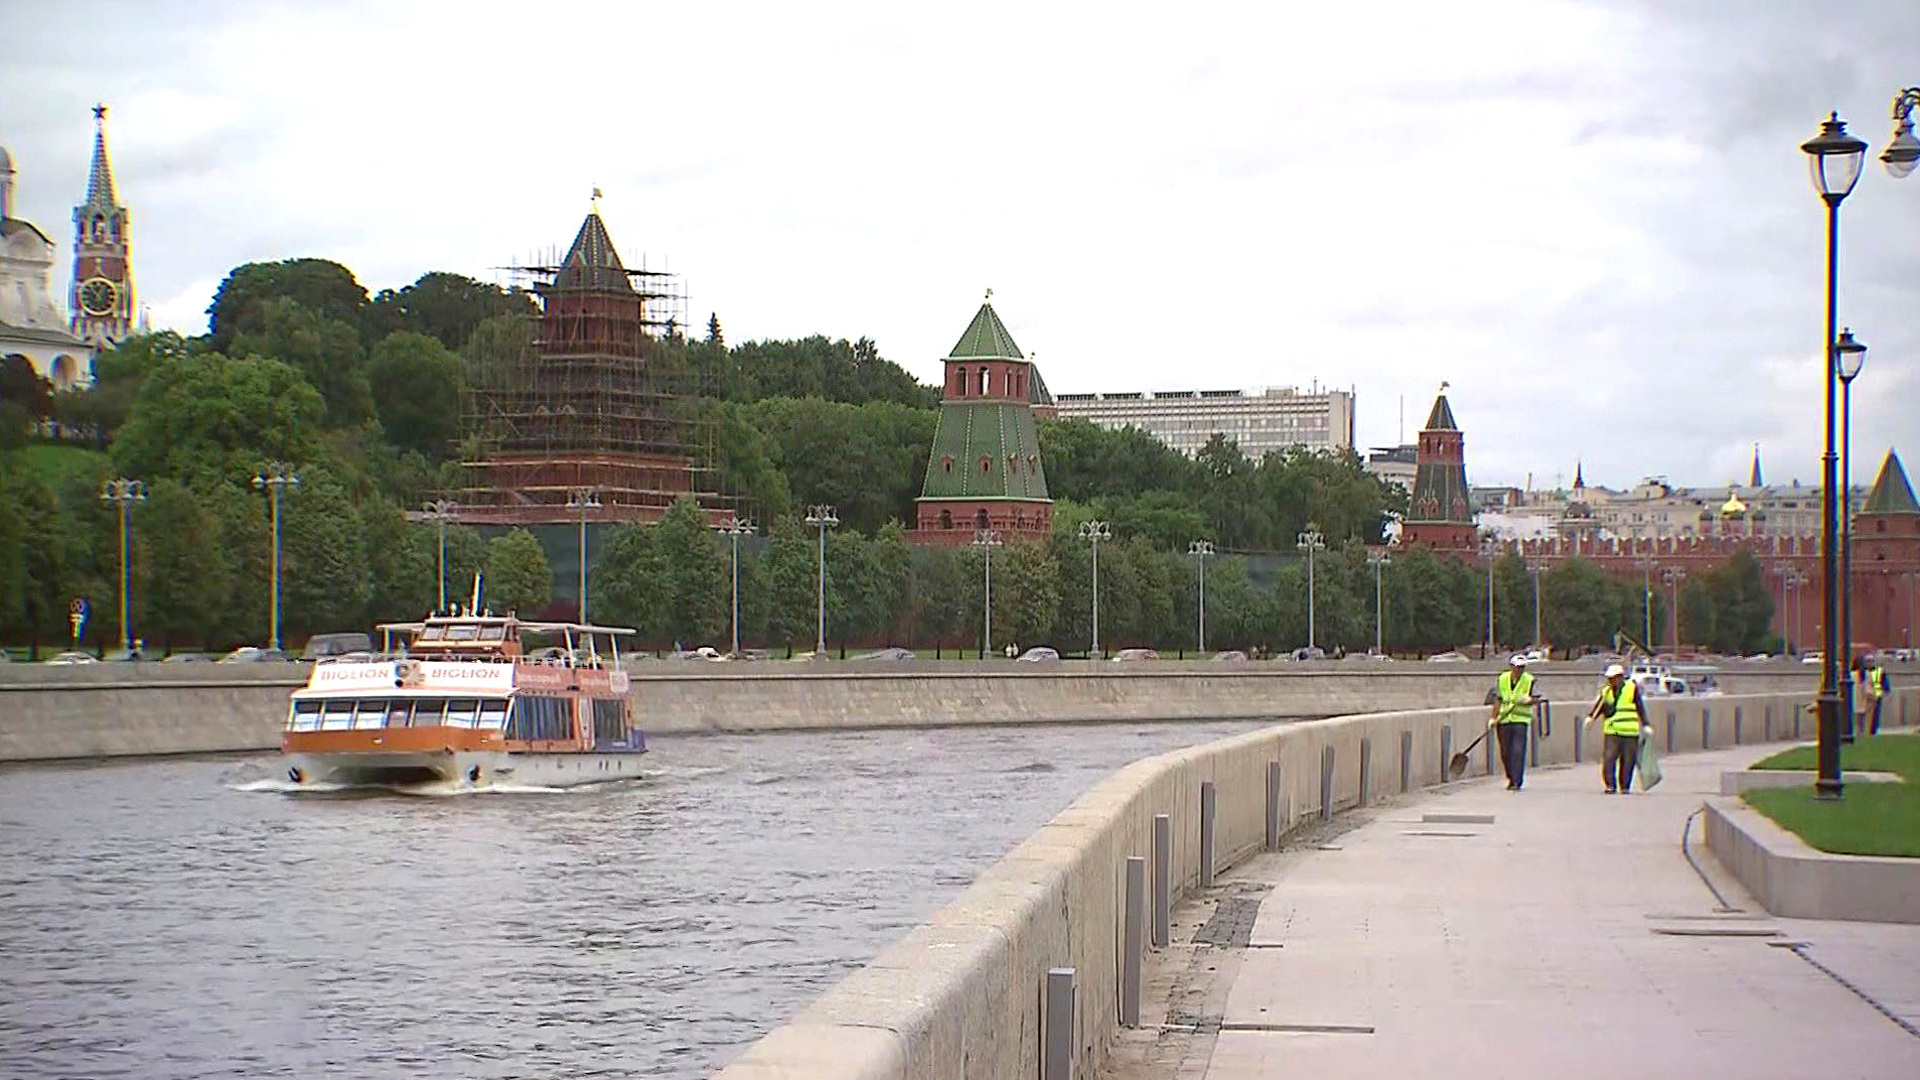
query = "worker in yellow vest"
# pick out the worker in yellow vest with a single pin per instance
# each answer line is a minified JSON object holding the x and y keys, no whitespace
{"x":1513,"y":699}
{"x":1872,"y":690}
{"x":1618,"y":709}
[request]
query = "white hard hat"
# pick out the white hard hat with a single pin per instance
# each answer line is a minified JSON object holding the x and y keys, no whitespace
{"x":1615,"y":669}
{"x":1518,"y":660}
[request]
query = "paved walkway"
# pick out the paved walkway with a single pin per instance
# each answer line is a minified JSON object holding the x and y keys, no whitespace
{"x":1565,"y":938}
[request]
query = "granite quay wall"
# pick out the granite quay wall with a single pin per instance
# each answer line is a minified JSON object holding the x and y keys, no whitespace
{"x":116,"y":709}
{"x":964,"y":994}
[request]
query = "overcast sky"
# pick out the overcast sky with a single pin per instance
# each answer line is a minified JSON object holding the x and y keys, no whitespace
{"x":1593,"y":219}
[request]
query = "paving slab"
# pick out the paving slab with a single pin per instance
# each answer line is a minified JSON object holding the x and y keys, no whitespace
{"x":1566,"y":937}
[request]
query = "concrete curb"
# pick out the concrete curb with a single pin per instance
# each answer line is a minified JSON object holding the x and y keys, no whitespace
{"x":1796,"y":881}
{"x":1735,"y":781}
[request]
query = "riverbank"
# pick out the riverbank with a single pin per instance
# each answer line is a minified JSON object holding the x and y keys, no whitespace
{"x":110,"y":710}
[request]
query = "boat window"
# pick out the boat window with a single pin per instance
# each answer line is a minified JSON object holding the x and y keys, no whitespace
{"x":493,"y":715}
{"x":609,"y":723}
{"x":463,"y":632}
{"x":398,"y":710}
{"x":493,"y":633}
{"x":460,"y":712}
{"x":541,"y":718}
{"x":371,"y":714}
{"x":426,"y":712}
{"x":433,"y":633}
{"x":306,"y":716}
{"x":339,"y":715}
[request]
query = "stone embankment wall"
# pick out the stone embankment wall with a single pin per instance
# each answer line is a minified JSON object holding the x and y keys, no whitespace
{"x":114,"y":709}
{"x":962,"y":994}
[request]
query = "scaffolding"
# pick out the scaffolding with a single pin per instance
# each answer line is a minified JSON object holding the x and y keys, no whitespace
{"x":595,"y":389}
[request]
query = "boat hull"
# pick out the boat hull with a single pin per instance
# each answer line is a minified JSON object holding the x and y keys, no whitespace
{"x":476,"y":769}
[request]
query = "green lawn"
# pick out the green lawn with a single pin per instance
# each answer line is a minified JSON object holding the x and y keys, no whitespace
{"x":1872,"y":819}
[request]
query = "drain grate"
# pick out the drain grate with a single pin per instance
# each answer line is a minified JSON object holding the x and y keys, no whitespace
{"x":1456,"y":819}
{"x":1231,"y":924}
{"x":1303,"y":1029}
{"x":1435,"y":832}
{"x":1717,"y":931}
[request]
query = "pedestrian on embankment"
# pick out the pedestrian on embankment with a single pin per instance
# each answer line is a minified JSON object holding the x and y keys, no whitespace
{"x":1513,"y":700}
{"x":1871,"y":690}
{"x":1618,"y":709}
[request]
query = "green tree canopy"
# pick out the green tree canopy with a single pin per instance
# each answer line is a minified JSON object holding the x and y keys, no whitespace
{"x":518,"y":576}
{"x":207,"y":419}
{"x":446,"y":307}
{"x":415,"y":382}
{"x":325,"y":350}
{"x":324,"y":288}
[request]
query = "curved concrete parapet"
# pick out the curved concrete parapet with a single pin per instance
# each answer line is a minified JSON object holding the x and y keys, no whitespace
{"x":962,"y":995}
{"x":1797,"y":881}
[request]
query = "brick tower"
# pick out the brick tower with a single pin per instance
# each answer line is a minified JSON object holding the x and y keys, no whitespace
{"x":984,"y":470}
{"x":1440,"y":512}
{"x":102,"y":289}
{"x":1886,"y":560}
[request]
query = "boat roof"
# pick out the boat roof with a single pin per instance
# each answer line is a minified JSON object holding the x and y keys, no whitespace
{"x":500,"y":620}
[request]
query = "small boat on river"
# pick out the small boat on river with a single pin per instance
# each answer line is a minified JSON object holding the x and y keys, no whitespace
{"x":466,"y":702}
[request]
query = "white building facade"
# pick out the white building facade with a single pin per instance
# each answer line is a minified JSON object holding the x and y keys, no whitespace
{"x":1259,"y":421}
{"x":32,"y":325}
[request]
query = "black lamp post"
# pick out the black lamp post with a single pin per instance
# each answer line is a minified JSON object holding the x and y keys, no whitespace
{"x":1833,"y":159}
{"x":1848,"y":358}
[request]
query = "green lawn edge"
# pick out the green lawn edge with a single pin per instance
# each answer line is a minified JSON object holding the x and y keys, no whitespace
{"x":1871,"y":819}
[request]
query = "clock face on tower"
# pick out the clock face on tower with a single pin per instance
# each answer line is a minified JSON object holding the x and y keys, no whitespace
{"x":97,"y":296}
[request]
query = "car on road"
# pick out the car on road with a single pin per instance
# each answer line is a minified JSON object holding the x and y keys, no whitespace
{"x":184,"y":658}
{"x":72,"y":658}
{"x":1129,"y":655}
{"x":704,"y":652}
{"x":1230,"y":654}
{"x":253,"y":654}
{"x":322,"y":646}
{"x":1814,"y":658}
{"x":889,"y":654}
{"x":1308,"y":653}
{"x":1447,"y":658}
{"x":1039,"y":654}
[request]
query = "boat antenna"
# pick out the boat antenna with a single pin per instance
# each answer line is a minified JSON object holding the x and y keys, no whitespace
{"x":475,"y":606}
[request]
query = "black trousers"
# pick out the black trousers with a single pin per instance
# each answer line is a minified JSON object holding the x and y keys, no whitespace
{"x":1616,"y":768}
{"x":1513,"y":751}
{"x":1874,"y":710}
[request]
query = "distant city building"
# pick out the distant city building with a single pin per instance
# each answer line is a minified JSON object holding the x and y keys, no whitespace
{"x":984,"y":470}
{"x":33,"y":326}
{"x":1259,"y":421}
{"x":1394,"y":464}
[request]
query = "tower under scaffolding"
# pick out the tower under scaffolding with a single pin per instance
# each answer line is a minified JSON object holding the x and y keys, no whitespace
{"x":594,"y":390}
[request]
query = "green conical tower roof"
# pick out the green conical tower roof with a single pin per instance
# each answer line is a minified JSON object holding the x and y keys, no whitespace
{"x":1441,"y":418}
{"x":1891,"y":493}
{"x":986,"y":339}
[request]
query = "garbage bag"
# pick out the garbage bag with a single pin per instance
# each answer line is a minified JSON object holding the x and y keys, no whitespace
{"x":1649,"y":760}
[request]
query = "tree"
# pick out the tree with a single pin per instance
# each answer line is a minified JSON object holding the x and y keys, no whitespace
{"x":445,"y":307}
{"x":326,"y":351}
{"x":1026,"y":594}
{"x":791,"y":577}
{"x":210,"y":419}
{"x":324,"y":288}
{"x":25,"y":387}
{"x":1579,"y":605}
{"x":627,"y":587}
{"x":415,"y":382}
{"x":324,"y":579}
{"x":185,"y":578}
{"x":694,"y":572}
{"x":402,"y":559}
{"x":518,"y":576}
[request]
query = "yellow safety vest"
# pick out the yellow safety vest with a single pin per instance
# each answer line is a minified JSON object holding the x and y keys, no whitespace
{"x":1516,"y":705}
{"x":1876,"y":684}
{"x":1626,"y":709}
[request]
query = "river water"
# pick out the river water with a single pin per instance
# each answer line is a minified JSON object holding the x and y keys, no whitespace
{"x":179,"y":919}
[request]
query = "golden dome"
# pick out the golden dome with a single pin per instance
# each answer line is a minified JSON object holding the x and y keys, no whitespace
{"x":1733,"y":507}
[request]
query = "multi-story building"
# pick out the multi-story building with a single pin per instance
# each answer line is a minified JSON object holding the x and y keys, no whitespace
{"x":1260,"y":421}
{"x":1394,"y":464}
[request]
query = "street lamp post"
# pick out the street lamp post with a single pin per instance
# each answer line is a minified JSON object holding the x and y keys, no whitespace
{"x":1378,"y":558}
{"x":735,"y":528}
{"x":583,"y":499}
{"x":1201,"y":551}
{"x":822,"y":516}
{"x":1490,"y":549}
{"x":1646,"y":563}
{"x":1671,"y":577}
{"x":123,"y":493}
{"x":1534,"y":566}
{"x":1095,"y":532}
{"x":1834,"y":159}
{"x":1849,"y":356}
{"x":1310,"y":541}
{"x":441,"y":511}
{"x":276,"y":477}
{"x":986,"y":540}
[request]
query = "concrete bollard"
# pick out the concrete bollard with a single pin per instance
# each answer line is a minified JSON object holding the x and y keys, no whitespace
{"x":1766,"y":730}
{"x":1446,"y":749}
{"x":1533,"y":744}
{"x":1058,"y":1060}
{"x":1673,"y":723}
{"x":1488,"y":744}
{"x":1133,"y":941}
{"x":1366,"y":771}
{"x":1273,"y":805}
{"x":1706,"y":728}
{"x":1579,"y":740}
{"x":1162,"y":879}
{"x":1326,"y":783}
{"x":1406,"y":762}
{"x":1736,"y":725}
{"x":1206,"y":833}
{"x":1796,"y":724}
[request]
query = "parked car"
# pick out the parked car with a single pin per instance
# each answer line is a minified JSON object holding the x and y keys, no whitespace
{"x":704,"y":652}
{"x":1446,"y":658}
{"x":1135,"y":654}
{"x":253,"y":654}
{"x":1230,"y":654}
{"x":73,"y":658}
{"x":1814,"y":658}
{"x":1039,"y":654}
{"x":753,"y":654}
{"x":1308,"y":653}
{"x":184,"y":658}
{"x":321,"y":646}
{"x":890,"y":654}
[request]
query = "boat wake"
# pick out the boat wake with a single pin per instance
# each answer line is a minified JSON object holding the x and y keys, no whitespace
{"x":433,"y":789}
